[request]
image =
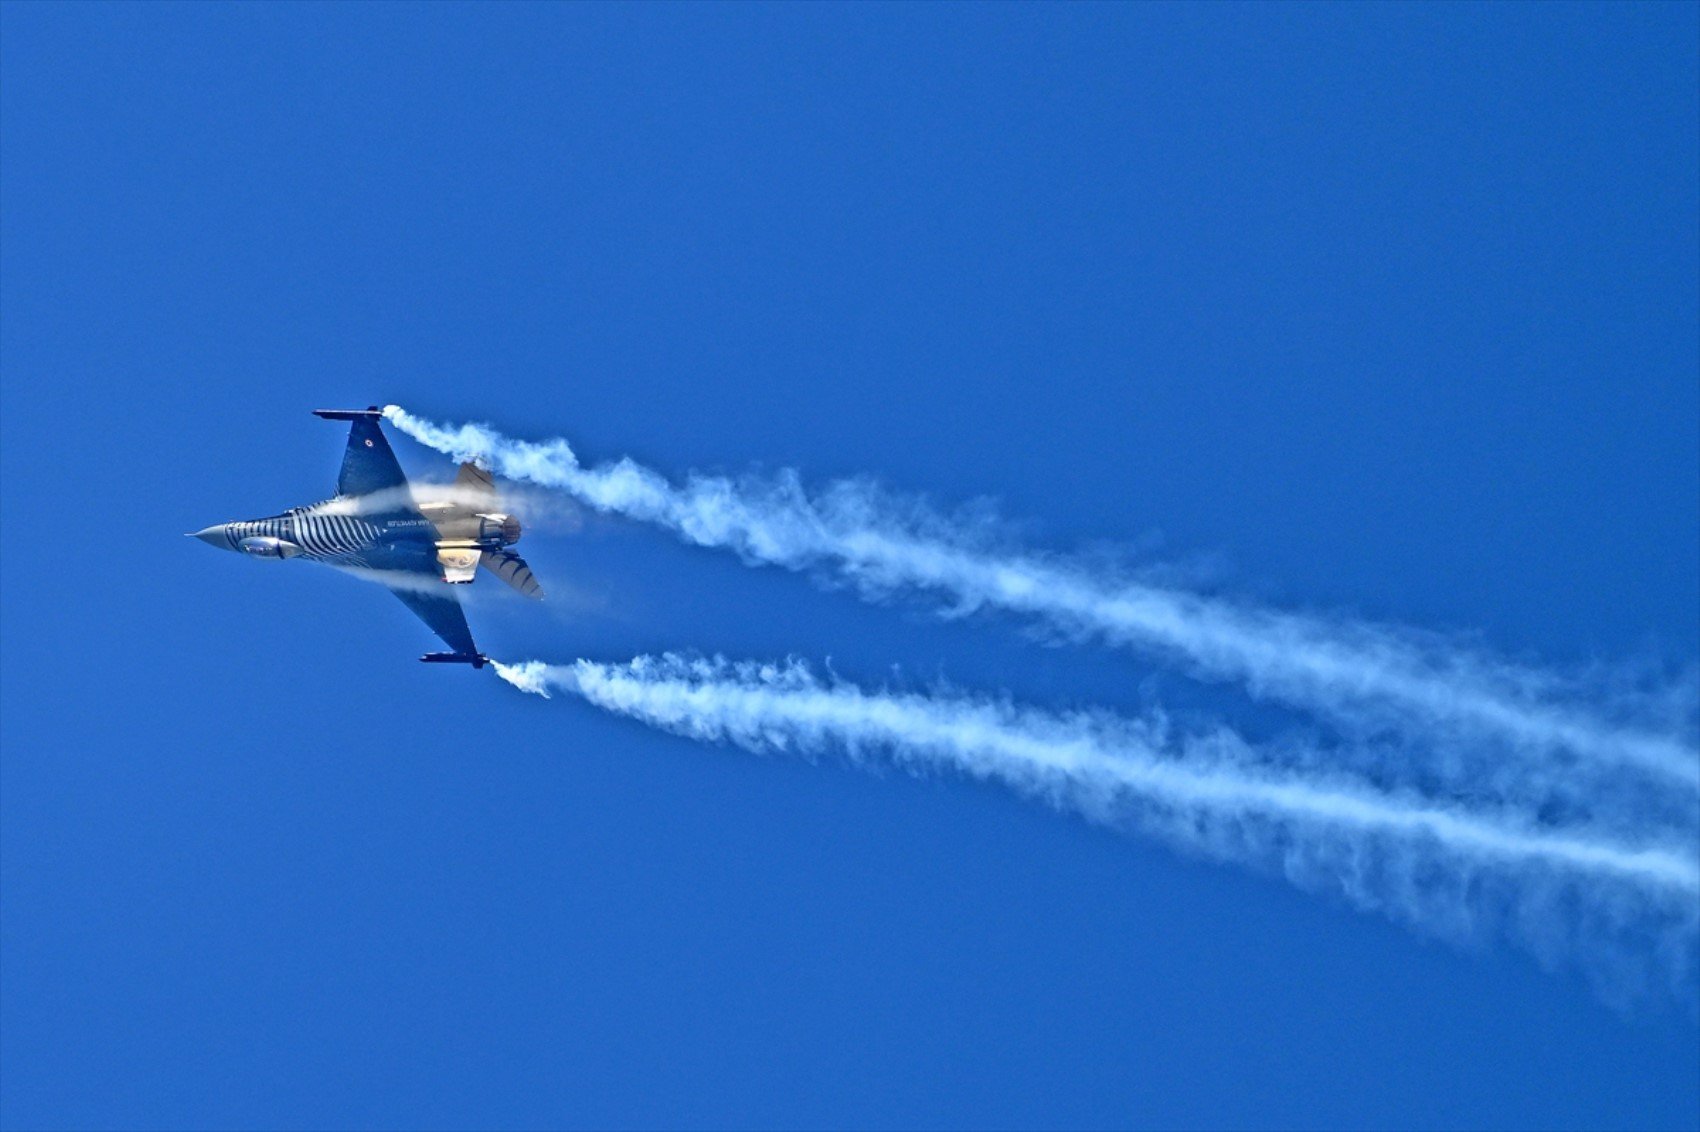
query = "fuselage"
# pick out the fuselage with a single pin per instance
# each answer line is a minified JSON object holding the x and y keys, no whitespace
{"x":344,"y":532}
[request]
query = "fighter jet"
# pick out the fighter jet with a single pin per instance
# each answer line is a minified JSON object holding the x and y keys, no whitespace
{"x":418,"y":543}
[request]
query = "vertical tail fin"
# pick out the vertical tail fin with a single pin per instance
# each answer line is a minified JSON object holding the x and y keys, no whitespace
{"x":474,"y":480}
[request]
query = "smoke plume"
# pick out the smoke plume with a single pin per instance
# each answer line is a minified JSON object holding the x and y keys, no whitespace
{"x":1622,"y":904}
{"x":1466,"y":713}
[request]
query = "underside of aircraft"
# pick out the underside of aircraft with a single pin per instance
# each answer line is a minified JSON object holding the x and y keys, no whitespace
{"x":419,"y":542}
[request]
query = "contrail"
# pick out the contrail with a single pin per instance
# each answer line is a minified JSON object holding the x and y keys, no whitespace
{"x":1441,"y":866}
{"x":1369,"y":679}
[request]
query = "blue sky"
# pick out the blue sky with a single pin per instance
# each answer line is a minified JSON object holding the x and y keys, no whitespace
{"x":1382,"y":309}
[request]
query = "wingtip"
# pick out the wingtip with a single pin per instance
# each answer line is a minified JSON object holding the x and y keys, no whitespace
{"x":347,"y":414}
{"x":476,"y":659}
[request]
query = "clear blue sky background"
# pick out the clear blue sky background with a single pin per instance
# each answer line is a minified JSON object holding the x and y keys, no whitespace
{"x":1383,"y":309}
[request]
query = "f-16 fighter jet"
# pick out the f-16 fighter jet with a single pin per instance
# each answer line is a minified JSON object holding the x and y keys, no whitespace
{"x":418,"y":544}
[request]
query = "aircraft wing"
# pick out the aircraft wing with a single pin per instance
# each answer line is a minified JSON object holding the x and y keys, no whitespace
{"x":369,"y":464}
{"x":442,"y":612}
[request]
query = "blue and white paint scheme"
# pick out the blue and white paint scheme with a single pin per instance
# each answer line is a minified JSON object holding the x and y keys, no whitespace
{"x":419,"y":547}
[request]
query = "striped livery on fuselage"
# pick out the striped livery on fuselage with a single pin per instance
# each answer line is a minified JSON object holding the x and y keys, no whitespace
{"x":324,"y":532}
{"x":421,"y":548}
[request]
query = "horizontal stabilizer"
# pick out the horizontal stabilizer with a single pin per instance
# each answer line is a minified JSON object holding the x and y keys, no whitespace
{"x":512,"y":569}
{"x":476,"y":659}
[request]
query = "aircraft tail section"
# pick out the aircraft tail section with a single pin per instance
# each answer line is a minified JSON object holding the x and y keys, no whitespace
{"x":476,"y":481}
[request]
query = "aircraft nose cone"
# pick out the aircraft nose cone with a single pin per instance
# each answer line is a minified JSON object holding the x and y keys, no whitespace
{"x":212,"y":536}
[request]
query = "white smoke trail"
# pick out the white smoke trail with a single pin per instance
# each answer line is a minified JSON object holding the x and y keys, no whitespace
{"x":1620,"y":907}
{"x":1367,"y":678}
